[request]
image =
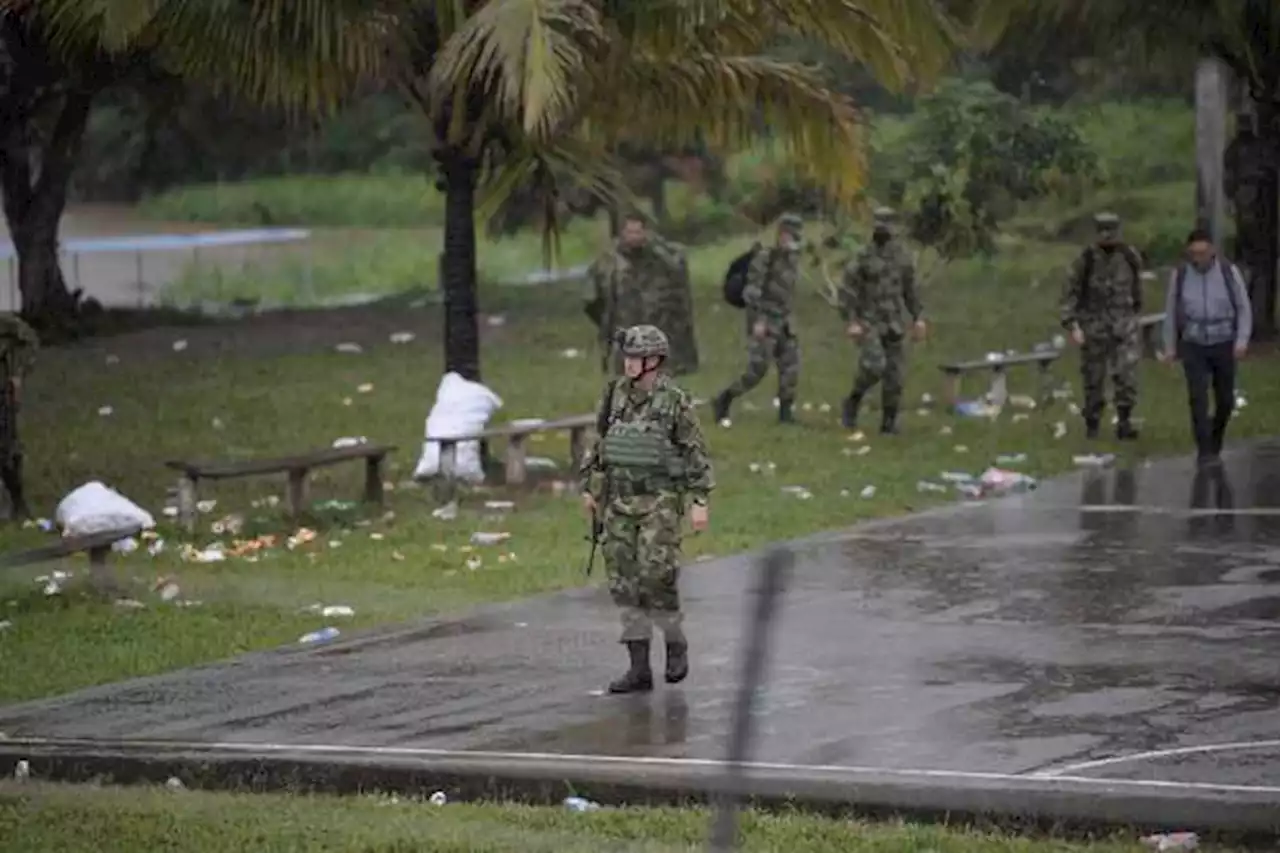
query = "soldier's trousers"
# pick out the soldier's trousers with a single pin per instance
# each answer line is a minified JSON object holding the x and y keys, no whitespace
{"x":641,"y":550}
{"x":884,"y":358}
{"x":783,"y":349}
{"x":1114,"y":354}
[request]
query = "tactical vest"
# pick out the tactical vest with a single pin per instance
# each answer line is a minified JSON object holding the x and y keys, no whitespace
{"x":641,"y":450}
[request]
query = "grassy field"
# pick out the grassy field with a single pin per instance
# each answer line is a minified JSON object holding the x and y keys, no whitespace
{"x":45,"y":819}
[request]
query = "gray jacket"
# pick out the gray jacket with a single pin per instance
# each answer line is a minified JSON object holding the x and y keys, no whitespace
{"x":1206,"y":315}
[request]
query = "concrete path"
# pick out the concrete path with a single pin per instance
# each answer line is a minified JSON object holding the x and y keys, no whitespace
{"x":1112,"y":626}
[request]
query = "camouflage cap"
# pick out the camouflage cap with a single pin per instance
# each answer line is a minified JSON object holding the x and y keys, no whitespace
{"x":1106,"y":221}
{"x":642,"y":341}
{"x":793,"y":222}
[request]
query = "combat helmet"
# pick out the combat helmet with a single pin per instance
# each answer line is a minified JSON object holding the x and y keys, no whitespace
{"x":643,"y":341}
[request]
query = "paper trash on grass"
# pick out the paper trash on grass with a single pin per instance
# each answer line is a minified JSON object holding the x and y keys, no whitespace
{"x":571,"y":352}
{"x":500,"y":506}
{"x":1170,"y":841}
{"x":998,"y":481}
{"x":1022,"y":401}
{"x":1011,"y":458}
{"x":349,"y":348}
{"x":867,"y":492}
{"x":349,"y":441}
{"x":1059,"y":429}
{"x":212,"y":554}
{"x":799,"y":491}
{"x":105,"y":411}
{"x":125,"y":546}
{"x":483,"y":538}
{"x":1094,"y":460}
{"x":976,"y":409}
{"x":401,"y":337}
{"x":929,"y":486}
{"x":541,"y":463}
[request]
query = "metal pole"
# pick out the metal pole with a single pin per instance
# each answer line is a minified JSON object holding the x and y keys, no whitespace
{"x":138,"y":258}
{"x":1211,"y":146}
{"x":774,"y":570}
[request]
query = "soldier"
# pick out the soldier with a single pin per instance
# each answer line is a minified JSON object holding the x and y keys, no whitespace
{"x":1101,"y":302}
{"x":650,"y":456}
{"x":768,"y":297}
{"x":642,"y":279}
{"x":877,"y":300}
{"x":18,"y":345}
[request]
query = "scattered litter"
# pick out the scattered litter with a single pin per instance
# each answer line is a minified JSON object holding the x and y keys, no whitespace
{"x":776,"y":403}
{"x":206,"y":506}
{"x":1019,"y":417}
{"x":995,"y":356}
{"x":956,"y":477}
{"x":976,"y":409}
{"x":1167,"y":841}
{"x":1022,"y":401}
{"x":105,"y":411}
{"x":1073,"y":408}
{"x":1063,"y":393}
{"x":927,"y":486}
{"x":961,"y":448}
{"x":571,"y":353}
{"x":926,"y":399}
{"x":364,"y":388}
{"x":808,"y":407}
{"x":867,"y":492}
{"x":349,"y":441}
{"x":857,"y":436}
{"x":216,"y":423}
{"x":500,"y":506}
{"x":397,"y":556}
{"x":946,"y":430}
{"x":169,"y":591}
{"x":401,"y":337}
{"x":213,"y":554}
{"x":970,"y":490}
{"x":825,"y":407}
{"x":799,"y":491}
{"x":173,"y":783}
{"x":922,"y":412}
{"x":1094,"y":460}
{"x":125,"y":546}
{"x":1059,"y":429}
{"x":129,"y":604}
{"x":113,"y":359}
{"x":349,"y":347}
{"x":333,"y":610}
{"x":229,"y":525}
{"x":474,"y":563}
{"x":268,"y":501}
{"x":179,"y":345}
{"x":5,"y":624}
{"x":496,"y":320}
{"x":1011,"y":458}
{"x":1241,"y":401}
{"x":438,"y":799}
{"x":997,"y":481}
{"x":22,"y":770}
{"x":844,"y":493}
{"x":302,"y":536}
{"x":578,"y":804}
{"x":726,"y":423}
{"x":863,"y":450}
{"x":541,"y":463}
{"x":482,"y":538}
{"x":1059,"y":341}
{"x":323,"y":635}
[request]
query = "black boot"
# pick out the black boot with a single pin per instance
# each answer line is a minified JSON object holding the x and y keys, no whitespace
{"x":677,"y":662}
{"x":12,"y":476}
{"x":639,"y":677}
{"x":1091,"y":427}
{"x":784,"y":412}
{"x":720,"y":405}
{"x":1124,"y":426}
{"x":889,"y":424}
{"x":849,"y":414}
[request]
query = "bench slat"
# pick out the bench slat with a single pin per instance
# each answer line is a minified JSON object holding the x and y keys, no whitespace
{"x":509,"y":430}
{"x":314,"y":459}
{"x":68,"y":546}
{"x":1008,"y":360}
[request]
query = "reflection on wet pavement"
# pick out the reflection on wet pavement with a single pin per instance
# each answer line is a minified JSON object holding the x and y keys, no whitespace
{"x":1109,"y":613}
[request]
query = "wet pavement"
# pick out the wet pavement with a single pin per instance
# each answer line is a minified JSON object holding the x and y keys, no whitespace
{"x":1115,"y":624}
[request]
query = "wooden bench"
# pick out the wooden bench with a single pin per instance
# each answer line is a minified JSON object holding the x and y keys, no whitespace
{"x":296,"y":467}
{"x":1151,"y":326}
{"x":955,"y":371}
{"x":517,"y":437}
{"x":96,"y":545}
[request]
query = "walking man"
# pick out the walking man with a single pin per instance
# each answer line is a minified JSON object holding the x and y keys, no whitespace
{"x":649,"y":458}
{"x":18,"y":345}
{"x":769,"y":296}
{"x":1208,"y":322}
{"x":1101,"y":303}
{"x":642,"y":279}
{"x":878,"y":300}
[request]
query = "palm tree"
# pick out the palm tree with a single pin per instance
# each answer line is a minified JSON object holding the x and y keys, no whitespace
{"x":58,"y":56}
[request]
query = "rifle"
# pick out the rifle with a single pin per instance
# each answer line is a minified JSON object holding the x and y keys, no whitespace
{"x":603,"y":419}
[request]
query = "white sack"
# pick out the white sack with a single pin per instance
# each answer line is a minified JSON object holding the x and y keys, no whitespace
{"x":95,"y":508}
{"x":462,"y":408}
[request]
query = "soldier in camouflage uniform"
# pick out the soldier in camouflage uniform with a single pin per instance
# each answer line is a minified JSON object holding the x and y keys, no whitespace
{"x":642,"y":278}
{"x":878,"y":299}
{"x":769,"y":296}
{"x":651,"y":457}
{"x":18,"y":345}
{"x":1101,"y":303}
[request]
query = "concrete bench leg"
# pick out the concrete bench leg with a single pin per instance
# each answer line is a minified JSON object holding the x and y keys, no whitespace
{"x":373,"y":480}
{"x":446,"y":480}
{"x":1046,"y":391}
{"x":577,"y":447}
{"x":187,"y":499}
{"x":517,"y":454}
{"x":101,"y":577}
{"x":297,"y":495}
{"x":951,"y":388}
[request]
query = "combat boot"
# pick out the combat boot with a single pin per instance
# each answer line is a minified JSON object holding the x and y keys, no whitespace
{"x":639,"y":677}
{"x":1125,"y":430}
{"x":720,"y":405}
{"x":889,"y":423}
{"x":785,"y":415}
{"x":849,"y":413}
{"x":677,"y":662}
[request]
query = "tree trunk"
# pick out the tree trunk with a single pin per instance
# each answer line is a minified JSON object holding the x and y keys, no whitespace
{"x":1254,"y":187}
{"x":458,"y":265}
{"x":34,"y":200}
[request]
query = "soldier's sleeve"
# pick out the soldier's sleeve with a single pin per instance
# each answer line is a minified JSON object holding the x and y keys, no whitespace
{"x":593,"y":292}
{"x":591,"y":466}
{"x":692,"y":443}
{"x":1070,"y":308}
{"x":910,"y":293}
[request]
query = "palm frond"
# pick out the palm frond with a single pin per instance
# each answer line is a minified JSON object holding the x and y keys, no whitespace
{"x":527,"y":54}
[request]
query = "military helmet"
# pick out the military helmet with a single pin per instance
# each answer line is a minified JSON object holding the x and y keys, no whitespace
{"x":643,"y":341}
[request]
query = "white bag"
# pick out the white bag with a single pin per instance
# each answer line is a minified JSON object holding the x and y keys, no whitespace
{"x":462,"y":408}
{"x":95,"y":508}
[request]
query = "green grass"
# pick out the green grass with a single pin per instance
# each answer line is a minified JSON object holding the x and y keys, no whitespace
{"x":275,"y":385}
{"x":42,"y":818}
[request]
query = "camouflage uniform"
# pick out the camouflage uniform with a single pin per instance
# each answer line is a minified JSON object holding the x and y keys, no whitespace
{"x":651,"y":457}
{"x":1106,"y":310}
{"x":18,"y":346}
{"x":769,"y":295}
{"x":879,"y":293}
{"x":647,"y":284}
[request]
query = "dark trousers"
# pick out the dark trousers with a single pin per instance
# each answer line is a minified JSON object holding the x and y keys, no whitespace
{"x":1206,"y":366}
